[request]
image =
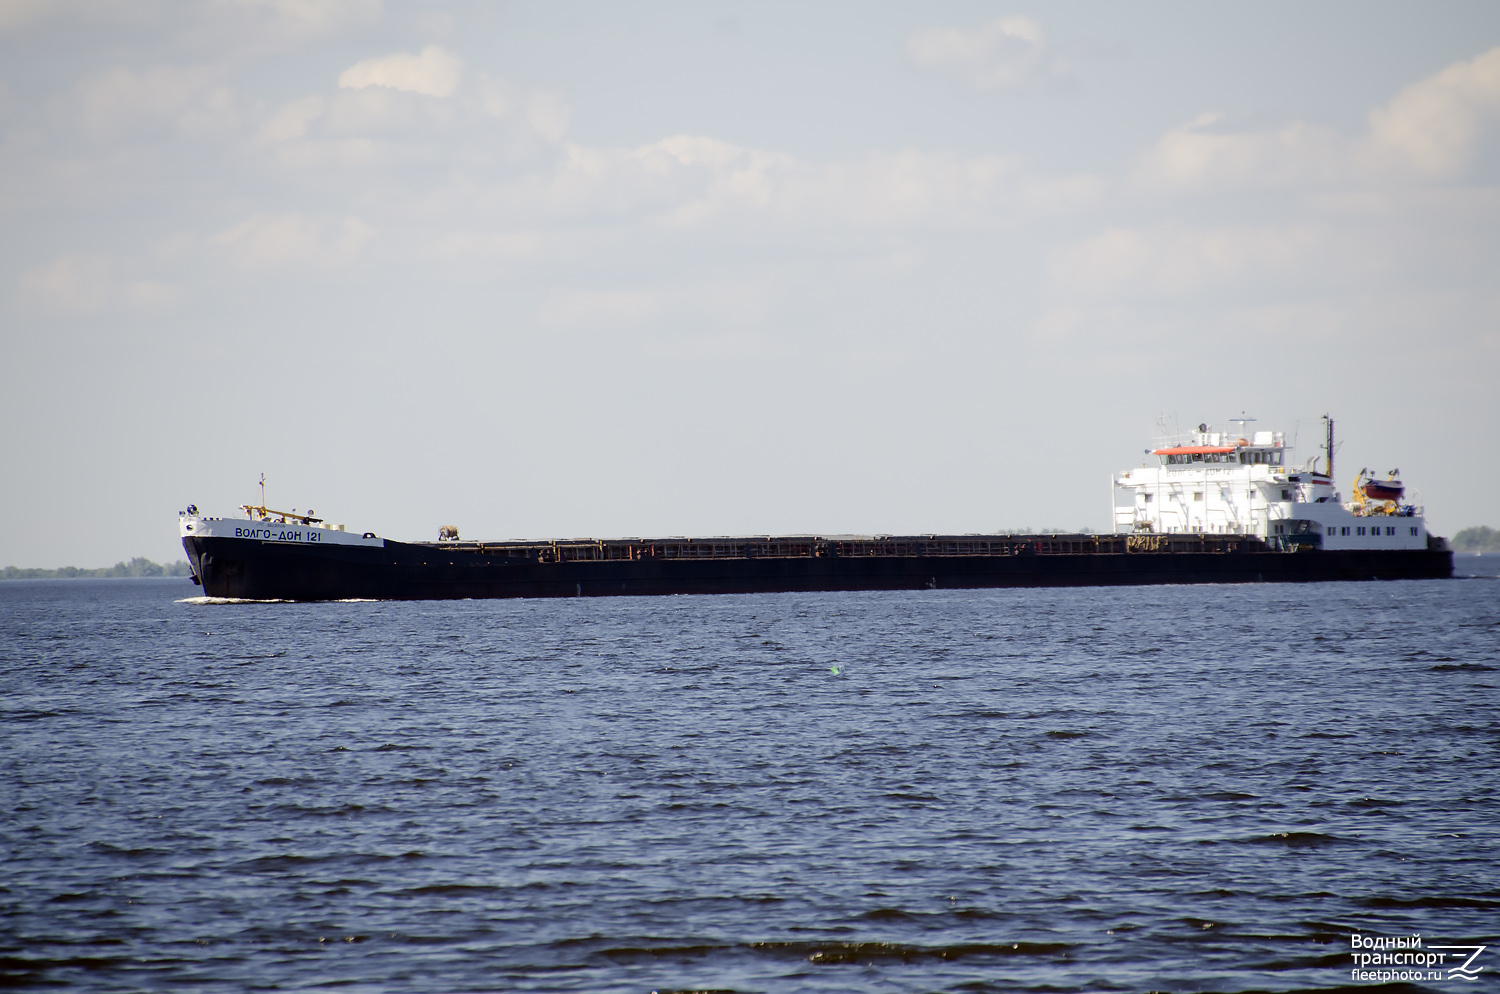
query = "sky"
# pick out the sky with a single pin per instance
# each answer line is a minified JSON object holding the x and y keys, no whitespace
{"x":575,"y":269}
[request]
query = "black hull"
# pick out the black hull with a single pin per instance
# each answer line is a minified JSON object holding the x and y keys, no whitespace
{"x":240,"y":568}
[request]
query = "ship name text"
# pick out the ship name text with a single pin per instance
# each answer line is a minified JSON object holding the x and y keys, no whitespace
{"x":277,"y":534}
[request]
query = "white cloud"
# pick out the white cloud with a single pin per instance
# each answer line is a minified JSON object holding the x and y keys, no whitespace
{"x":690,"y":181}
{"x":279,"y":241}
{"x":1006,"y":52}
{"x":705,"y":178}
{"x":292,"y":120}
{"x":87,"y":284}
{"x":544,"y":112}
{"x":1196,"y":158}
{"x":218,"y":114}
{"x":1428,"y":131}
{"x":434,"y":72}
{"x":376,"y":110}
{"x":915,"y":188}
{"x":650,"y":181}
{"x":548,"y":114}
{"x":122,"y":100}
{"x":1338,"y":257}
{"x":1175,"y":261}
{"x":495,"y":97}
{"x":1433,"y":125}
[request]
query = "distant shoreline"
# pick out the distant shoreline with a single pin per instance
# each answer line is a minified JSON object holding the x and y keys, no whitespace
{"x":1476,"y":539}
{"x":138,"y":568}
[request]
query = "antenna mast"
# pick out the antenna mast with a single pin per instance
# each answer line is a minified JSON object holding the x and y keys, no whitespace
{"x":1328,"y":443}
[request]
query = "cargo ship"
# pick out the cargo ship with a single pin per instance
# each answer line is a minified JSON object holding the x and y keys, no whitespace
{"x":1214,"y":507}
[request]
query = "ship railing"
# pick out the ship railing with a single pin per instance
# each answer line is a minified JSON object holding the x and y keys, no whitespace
{"x":1385,"y":509}
{"x":1217,"y":436}
{"x":793,"y":548}
{"x":884,"y":547}
{"x":1172,"y":440}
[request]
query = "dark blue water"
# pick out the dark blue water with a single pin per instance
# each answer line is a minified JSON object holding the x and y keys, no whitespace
{"x":1175,"y":788}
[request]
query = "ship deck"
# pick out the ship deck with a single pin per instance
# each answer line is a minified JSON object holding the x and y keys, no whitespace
{"x":853,"y":546}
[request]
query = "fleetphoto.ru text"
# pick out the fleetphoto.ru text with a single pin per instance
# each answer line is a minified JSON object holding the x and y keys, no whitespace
{"x":1385,"y":959}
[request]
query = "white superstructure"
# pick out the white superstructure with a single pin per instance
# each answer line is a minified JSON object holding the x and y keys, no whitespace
{"x":1245,"y":482}
{"x":264,"y":525}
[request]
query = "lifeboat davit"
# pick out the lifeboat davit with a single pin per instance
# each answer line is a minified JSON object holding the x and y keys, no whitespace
{"x":1390,"y":489}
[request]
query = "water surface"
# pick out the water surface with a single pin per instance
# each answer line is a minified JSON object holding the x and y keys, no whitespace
{"x":1198,"y":788}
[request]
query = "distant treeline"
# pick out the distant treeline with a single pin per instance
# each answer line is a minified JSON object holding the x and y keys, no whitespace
{"x":136,"y":567}
{"x":1477,"y":539}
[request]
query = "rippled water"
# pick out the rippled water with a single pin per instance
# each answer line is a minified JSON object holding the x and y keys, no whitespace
{"x":1172,"y":788}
